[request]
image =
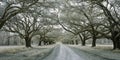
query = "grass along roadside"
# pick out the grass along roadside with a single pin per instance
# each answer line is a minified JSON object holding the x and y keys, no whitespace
{"x":11,"y":49}
{"x":104,"y":51}
{"x":15,"y":49}
{"x":23,"y":53}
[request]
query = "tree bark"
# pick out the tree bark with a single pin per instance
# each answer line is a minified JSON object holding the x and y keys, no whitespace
{"x":40,"y":43}
{"x":94,"y":41}
{"x":119,"y":44}
{"x":116,"y":40}
{"x":28,"y":42}
{"x":83,"y":43}
{"x":72,"y":42}
{"x":114,"y":44}
{"x":77,"y":42}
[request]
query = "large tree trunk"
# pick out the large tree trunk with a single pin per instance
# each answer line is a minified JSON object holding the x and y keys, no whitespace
{"x":28,"y":42}
{"x":72,"y":42}
{"x":114,"y":44}
{"x":94,"y":41}
{"x":77,"y":42}
{"x":119,"y":44}
{"x":2,"y":24}
{"x":116,"y":40}
{"x":40,"y":43}
{"x":83,"y":43}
